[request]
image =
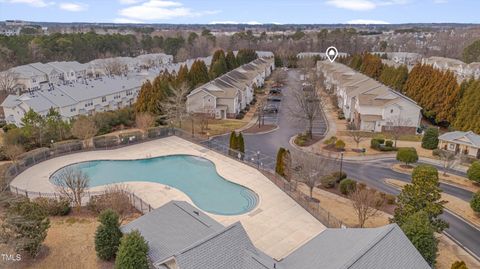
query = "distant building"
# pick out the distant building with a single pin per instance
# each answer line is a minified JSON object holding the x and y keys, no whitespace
{"x":465,"y":143}
{"x":459,"y":68}
{"x":406,"y":58}
{"x":321,"y":55}
{"x":228,"y":94}
{"x":181,"y":236}
{"x":366,"y":102}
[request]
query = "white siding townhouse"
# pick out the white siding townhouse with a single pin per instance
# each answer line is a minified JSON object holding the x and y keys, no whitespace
{"x":464,"y":143}
{"x":228,"y":94}
{"x":80,"y":98}
{"x":368,"y":103}
{"x":459,"y":68}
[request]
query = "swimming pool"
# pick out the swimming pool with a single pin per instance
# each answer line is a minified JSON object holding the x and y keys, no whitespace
{"x":195,"y":176}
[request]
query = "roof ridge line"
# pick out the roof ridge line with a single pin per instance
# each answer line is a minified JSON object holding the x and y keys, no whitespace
{"x":369,"y":246}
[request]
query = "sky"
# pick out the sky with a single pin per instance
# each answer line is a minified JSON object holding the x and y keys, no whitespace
{"x":243,"y":11}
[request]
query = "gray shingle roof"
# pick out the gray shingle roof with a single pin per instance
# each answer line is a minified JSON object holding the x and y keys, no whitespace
{"x":473,"y":138}
{"x":383,"y":247}
{"x":173,"y":227}
{"x":230,"y":248}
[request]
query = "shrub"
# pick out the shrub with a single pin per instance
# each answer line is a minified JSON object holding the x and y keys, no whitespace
{"x":54,"y":207}
{"x":376,"y":143}
{"x":108,"y":235}
{"x":301,"y":140}
{"x":459,"y":265}
{"x":240,"y":115}
{"x":473,"y":173}
{"x":330,"y":141}
{"x":340,"y":145}
{"x":339,"y":175}
{"x":132,"y":252}
{"x":437,"y":152}
{"x":390,"y":198}
{"x":389,"y":143}
{"x":347,"y":185}
{"x":105,"y":141}
{"x":328,"y":182}
{"x":475,"y":202}
{"x":430,"y":138}
{"x":407,"y":155}
{"x":280,"y":166}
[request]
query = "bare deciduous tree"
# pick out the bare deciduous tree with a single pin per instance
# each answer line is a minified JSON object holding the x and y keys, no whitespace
{"x":366,"y":203}
{"x":116,"y":197}
{"x":449,"y":160}
{"x":13,"y":151}
{"x":72,"y":184}
{"x":84,"y":128}
{"x":310,"y":169}
{"x":8,"y":80}
{"x":205,"y":117}
{"x":114,"y":67}
{"x":306,"y":107}
{"x":398,"y":126}
{"x":144,"y":121}
{"x":279,"y":76}
{"x":355,"y":133}
{"x":175,"y":104}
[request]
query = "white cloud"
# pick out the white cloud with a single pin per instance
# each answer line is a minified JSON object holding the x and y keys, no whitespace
{"x":33,"y":3}
{"x":160,"y":10}
{"x":362,"y":5}
{"x":360,"y":21}
{"x":129,"y":2}
{"x":124,"y":20}
{"x":352,"y":4}
{"x":74,"y":7}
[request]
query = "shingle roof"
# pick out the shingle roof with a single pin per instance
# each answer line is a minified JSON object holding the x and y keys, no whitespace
{"x":472,"y":138}
{"x":230,"y":248}
{"x":173,"y":227}
{"x":383,"y":247}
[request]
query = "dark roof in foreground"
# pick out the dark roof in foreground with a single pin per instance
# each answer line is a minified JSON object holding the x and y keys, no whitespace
{"x":182,"y":235}
{"x":383,"y":247}
{"x":172,"y":227}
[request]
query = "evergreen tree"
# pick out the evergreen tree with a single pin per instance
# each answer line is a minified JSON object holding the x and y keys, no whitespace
{"x":245,"y":56}
{"x":132,"y":252}
{"x":241,"y":143}
{"x":25,"y":226}
{"x":475,"y":202}
{"x":418,"y":229}
{"x":108,"y":235}
{"x":471,"y":53}
{"x":233,"y":145}
{"x":231,"y":60}
{"x":219,"y":66}
{"x":279,"y":167}
{"x":430,"y":138}
{"x":423,"y":194}
{"x":198,"y":74}
{"x":467,"y":117}
{"x":473,"y":173}
{"x":182,"y":76}
{"x":407,"y":155}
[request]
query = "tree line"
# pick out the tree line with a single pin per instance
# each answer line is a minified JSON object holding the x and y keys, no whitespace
{"x":444,"y":100}
{"x":154,"y":93}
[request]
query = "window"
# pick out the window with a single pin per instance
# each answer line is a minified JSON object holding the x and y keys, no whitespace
{"x":451,"y":146}
{"x":73,"y":109}
{"x":104,"y":99}
{"x":391,"y":111}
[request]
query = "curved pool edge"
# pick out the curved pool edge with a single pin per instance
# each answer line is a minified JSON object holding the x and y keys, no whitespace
{"x":258,"y":200}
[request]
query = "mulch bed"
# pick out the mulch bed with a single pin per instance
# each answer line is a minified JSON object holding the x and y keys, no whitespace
{"x":255,"y":129}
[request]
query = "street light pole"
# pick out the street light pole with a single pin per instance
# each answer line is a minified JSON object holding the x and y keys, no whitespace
{"x":341,"y":162}
{"x":258,"y":159}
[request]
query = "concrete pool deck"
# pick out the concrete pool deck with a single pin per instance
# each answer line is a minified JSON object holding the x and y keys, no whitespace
{"x":277,"y":226}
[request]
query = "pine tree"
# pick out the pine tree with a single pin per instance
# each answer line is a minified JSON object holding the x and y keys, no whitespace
{"x":231,"y":60}
{"x":241,"y":143}
{"x":418,"y":229}
{"x":245,"y":56}
{"x":430,"y":138}
{"x":218,"y":67}
{"x":233,"y":145}
{"x":182,"y":76}
{"x":423,"y":194}
{"x":132,"y":252}
{"x":198,"y":74}
{"x":108,"y":235}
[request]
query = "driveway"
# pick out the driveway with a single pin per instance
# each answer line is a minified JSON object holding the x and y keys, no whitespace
{"x":373,"y":172}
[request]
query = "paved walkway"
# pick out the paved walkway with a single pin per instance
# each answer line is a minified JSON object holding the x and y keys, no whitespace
{"x":277,"y":226}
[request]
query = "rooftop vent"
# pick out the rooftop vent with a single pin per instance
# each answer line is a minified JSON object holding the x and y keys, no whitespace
{"x":196,"y":212}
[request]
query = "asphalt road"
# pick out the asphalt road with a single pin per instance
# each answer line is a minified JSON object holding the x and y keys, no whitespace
{"x":371,"y":173}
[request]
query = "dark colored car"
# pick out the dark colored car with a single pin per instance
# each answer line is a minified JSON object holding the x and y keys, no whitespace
{"x":270,"y":109}
{"x":275,"y":91}
{"x":274,"y":99}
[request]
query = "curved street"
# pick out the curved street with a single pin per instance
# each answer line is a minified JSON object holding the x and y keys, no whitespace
{"x":371,"y":172}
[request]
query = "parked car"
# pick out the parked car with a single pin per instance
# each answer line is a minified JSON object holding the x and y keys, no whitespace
{"x":270,"y":109}
{"x":274,"y":99}
{"x":275,"y":91}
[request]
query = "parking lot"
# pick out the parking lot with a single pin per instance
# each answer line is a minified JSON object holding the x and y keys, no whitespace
{"x":272,"y":108}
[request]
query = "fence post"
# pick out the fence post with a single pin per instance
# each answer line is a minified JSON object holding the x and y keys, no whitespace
{"x":26,"y":194}
{"x":141,"y":205}
{"x":149,"y":208}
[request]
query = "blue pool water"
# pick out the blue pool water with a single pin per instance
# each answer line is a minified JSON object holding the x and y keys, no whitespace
{"x":195,"y":176}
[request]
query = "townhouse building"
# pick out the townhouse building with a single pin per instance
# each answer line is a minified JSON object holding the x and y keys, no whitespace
{"x":228,"y":94}
{"x":366,"y":102}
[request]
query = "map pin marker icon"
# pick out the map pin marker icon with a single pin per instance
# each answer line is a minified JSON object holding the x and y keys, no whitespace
{"x":332,"y":53}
